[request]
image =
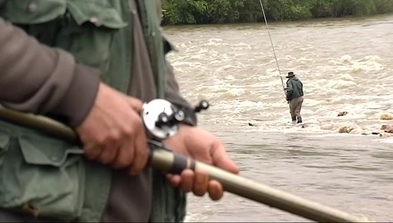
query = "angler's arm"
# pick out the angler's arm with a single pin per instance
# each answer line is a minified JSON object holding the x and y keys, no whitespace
{"x":172,"y":94}
{"x":289,"y":89}
{"x":39,"y":79}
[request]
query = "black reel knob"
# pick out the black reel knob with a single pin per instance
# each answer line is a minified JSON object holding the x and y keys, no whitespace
{"x":202,"y":105}
{"x":162,"y":119}
{"x":177,"y":117}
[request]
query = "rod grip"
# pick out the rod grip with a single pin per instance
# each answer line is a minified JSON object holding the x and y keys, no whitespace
{"x":165,"y":160}
{"x":181,"y":163}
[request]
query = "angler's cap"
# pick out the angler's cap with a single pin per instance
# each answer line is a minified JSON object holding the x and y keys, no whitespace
{"x":290,"y":74}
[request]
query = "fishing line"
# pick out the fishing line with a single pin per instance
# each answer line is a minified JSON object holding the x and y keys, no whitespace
{"x":271,"y":42}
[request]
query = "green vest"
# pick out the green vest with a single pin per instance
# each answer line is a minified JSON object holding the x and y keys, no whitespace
{"x":49,"y":177}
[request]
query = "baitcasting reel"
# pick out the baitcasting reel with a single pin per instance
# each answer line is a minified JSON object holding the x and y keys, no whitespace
{"x":161,"y":118}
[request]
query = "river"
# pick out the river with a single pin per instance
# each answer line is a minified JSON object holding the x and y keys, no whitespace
{"x":344,"y":64}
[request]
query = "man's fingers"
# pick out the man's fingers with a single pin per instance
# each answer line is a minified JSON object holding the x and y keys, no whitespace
{"x":140,"y":153}
{"x":124,"y":157}
{"x":92,"y":152}
{"x":108,"y":153}
{"x":222,"y":160}
{"x":198,"y":182}
{"x":201,"y":181}
{"x":187,"y":180}
{"x":215,"y":190}
{"x":174,"y":180}
{"x":135,"y":104}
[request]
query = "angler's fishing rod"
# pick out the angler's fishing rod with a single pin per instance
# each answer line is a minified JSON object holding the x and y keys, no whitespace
{"x":274,"y":51}
{"x":161,"y":120}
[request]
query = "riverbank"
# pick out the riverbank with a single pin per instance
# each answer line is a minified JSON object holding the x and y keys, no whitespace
{"x":181,"y":12}
{"x":303,"y":22}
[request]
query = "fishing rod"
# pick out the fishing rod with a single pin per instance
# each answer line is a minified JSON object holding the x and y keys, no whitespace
{"x":162,"y":120}
{"x":274,"y":51}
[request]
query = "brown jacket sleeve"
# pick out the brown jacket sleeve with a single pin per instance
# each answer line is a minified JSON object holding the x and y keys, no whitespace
{"x":172,"y":93}
{"x":39,"y":79}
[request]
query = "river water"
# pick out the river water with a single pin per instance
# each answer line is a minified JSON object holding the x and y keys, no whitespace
{"x":344,"y":64}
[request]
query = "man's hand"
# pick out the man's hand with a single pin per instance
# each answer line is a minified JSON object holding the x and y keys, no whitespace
{"x":202,"y":146}
{"x":113,"y":132}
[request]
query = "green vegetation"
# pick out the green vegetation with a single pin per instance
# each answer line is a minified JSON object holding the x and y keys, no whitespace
{"x":235,"y":11}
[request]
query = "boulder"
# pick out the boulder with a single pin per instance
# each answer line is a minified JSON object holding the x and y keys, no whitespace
{"x":345,"y":129}
{"x":350,"y":129}
{"x":386,"y":116}
{"x":343,"y":113}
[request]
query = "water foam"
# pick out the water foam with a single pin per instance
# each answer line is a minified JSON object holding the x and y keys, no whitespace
{"x":238,"y":74}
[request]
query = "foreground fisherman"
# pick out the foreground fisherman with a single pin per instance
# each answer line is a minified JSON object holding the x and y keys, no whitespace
{"x":294,"y":95}
{"x":76,"y":61}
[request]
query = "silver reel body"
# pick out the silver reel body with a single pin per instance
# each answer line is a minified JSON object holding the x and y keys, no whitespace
{"x":161,"y":118}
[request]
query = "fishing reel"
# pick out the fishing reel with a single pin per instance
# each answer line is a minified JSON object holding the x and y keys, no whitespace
{"x":162,"y":119}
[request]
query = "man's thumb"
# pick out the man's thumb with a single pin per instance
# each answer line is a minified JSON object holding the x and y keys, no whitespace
{"x":222,"y":160}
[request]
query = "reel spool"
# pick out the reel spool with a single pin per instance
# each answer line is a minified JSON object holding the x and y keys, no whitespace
{"x":161,"y":118}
